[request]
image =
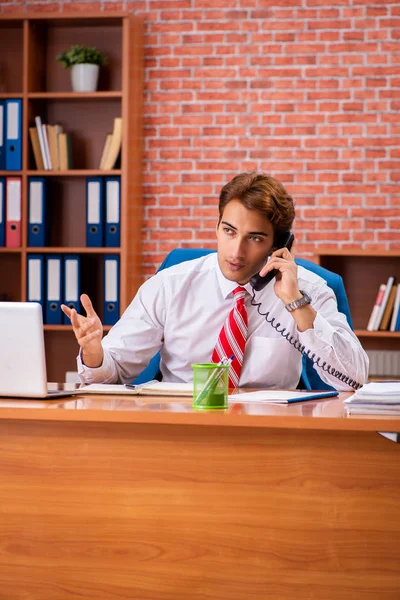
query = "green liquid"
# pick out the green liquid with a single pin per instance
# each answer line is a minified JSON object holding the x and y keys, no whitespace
{"x":214,"y":400}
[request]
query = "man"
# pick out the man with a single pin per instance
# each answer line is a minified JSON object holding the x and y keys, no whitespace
{"x":184,"y":310}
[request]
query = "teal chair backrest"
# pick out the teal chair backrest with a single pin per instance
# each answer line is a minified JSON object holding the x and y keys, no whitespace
{"x":309,"y":377}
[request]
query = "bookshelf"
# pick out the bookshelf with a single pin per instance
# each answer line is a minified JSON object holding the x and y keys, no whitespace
{"x":29,"y":70}
{"x":362,"y":273}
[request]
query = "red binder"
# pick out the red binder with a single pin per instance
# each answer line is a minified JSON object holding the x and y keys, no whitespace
{"x":13,"y":218}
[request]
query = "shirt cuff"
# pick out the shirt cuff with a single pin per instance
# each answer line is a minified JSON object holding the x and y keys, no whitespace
{"x":318,"y":337}
{"x":103,"y":374}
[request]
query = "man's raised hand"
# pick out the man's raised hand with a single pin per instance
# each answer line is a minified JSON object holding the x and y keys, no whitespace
{"x":88,"y":332}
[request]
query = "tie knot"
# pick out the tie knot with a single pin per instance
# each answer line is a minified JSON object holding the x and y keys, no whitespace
{"x":239,"y":293}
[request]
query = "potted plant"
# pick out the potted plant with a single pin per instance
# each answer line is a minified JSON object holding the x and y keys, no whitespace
{"x":84,"y":62}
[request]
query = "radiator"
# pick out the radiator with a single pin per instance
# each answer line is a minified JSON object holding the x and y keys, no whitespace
{"x":384,"y":362}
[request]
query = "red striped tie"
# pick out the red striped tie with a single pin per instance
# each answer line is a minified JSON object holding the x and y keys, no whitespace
{"x":232,"y":338}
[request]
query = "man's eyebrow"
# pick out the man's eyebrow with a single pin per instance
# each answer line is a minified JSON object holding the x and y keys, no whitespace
{"x":250,"y":232}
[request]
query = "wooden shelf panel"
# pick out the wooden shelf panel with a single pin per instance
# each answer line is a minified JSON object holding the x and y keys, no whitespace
{"x":362,"y":253}
{"x":74,"y":173}
{"x":377,"y":334}
{"x":72,"y":250}
{"x":6,"y":96}
{"x":74,"y":95}
{"x":10,"y":250}
{"x":73,"y":18}
{"x":69,"y":173}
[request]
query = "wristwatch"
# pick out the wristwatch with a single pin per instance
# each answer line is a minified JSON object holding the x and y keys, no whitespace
{"x":306,"y":299}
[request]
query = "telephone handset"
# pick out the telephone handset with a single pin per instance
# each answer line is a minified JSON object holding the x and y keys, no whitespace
{"x":285,"y":240}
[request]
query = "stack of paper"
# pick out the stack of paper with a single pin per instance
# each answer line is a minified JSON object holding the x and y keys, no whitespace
{"x":377,"y":397}
{"x":151,"y":388}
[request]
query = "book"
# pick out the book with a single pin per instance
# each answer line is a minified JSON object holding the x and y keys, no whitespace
{"x":388,"y":309}
{"x":52,"y":136}
{"x":379,"y":397}
{"x":376,"y":307}
{"x":373,"y":409}
{"x":65,"y":151}
{"x":46,"y":146}
{"x":114,"y":145}
{"x":59,"y":130}
{"x":33,"y":134}
{"x":382,"y":307}
{"x":280,"y":397}
{"x":105,"y":150}
{"x":151,"y":388}
{"x":39,"y":129}
{"x":396,"y":309}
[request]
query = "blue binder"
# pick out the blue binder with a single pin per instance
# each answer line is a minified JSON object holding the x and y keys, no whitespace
{"x":113,"y":212}
{"x":2,"y":135}
{"x":94,"y":212}
{"x":53,"y":312}
{"x":111,"y":289}
{"x":2,"y":211}
{"x":35,"y":278}
{"x":14,"y":134}
{"x":72,"y":281}
{"x":37,"y":211}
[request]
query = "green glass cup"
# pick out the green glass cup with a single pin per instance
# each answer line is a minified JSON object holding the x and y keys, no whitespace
{"x":210,"y":386}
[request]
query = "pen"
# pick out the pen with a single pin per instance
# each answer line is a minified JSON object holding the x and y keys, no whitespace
{"x":132,"y":386}
{"x":213,"y":379}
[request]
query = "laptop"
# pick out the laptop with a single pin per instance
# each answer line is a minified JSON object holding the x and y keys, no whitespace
{"x":22,"y":355}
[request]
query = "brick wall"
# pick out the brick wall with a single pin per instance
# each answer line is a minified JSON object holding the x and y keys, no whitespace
{"x":307,"y":90}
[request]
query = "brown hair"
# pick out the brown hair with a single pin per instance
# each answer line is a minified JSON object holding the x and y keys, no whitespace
{"x":262,"y":193}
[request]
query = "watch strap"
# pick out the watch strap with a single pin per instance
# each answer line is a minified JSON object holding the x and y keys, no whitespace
{"x":306,"y":299}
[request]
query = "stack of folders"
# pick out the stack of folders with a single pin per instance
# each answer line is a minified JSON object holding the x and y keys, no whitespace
{"x":375,"y":398}
{"x":11,"y":134}
{"x":10,"y":212}
{"x":385,"y":315}
{"x":112,"y":146}
{"x":103,"y":202}
{"x":53,"y":280}
{"x":51,"y":146}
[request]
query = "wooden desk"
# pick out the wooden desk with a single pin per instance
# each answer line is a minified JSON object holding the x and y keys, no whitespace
{"x":104,"y":498}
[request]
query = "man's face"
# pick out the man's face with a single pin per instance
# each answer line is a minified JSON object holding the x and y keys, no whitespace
{"x":245,"y":239}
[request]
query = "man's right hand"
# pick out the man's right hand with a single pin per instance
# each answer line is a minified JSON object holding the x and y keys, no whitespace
{"x":88,"y":332}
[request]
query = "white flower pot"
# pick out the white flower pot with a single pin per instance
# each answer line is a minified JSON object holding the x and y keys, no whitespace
{"x":84,"y":77}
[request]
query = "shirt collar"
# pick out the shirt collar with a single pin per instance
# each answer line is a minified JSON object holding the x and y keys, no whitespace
{"x":227,"y":286}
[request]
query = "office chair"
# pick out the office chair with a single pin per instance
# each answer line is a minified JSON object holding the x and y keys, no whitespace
{"x":309,"y":377}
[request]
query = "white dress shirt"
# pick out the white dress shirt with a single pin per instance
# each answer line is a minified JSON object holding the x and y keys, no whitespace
{"x":181,"y":310}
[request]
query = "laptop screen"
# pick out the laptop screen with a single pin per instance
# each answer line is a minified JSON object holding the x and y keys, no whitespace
{"x":22,"y":355}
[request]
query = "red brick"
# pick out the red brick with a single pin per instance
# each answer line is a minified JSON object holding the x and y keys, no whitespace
{"x":328,"y":177}
{"x":351,"y":224}
{"x":328,"y":225}
{"x":363,"y":236}
{"x":337,"y":236}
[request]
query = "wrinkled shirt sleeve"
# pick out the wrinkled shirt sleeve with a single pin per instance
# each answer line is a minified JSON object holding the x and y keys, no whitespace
{"x":133,"y":340}
{"x":333,"y":341}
